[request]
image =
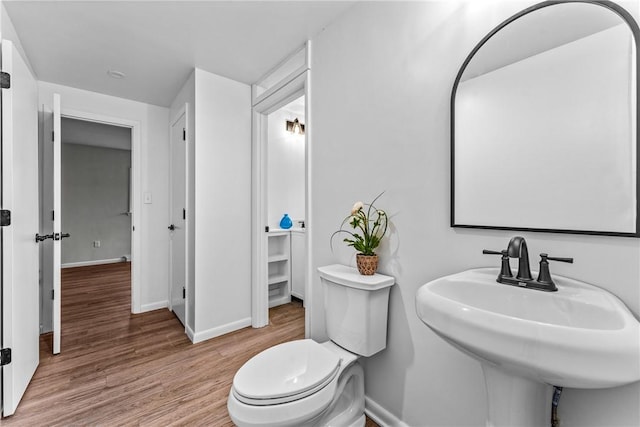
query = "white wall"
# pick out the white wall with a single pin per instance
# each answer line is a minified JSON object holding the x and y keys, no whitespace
{"x":222,"y":169}
{"x":154,"y":165}
{"x":286,"y":169}
{"x":389,"y":68}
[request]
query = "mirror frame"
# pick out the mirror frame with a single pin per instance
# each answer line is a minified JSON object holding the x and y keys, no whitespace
{"x":628,"y":18}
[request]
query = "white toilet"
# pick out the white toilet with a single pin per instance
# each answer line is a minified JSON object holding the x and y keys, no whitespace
{"x":304,"y":383}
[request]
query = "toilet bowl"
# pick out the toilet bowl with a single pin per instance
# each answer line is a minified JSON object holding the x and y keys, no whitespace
{"x":297,"y":383}
{"x":306,"y":383}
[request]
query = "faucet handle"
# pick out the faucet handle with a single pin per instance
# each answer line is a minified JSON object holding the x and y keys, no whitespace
{"x":489,"y":252}
{"x":545,"y":256}
{"x":544,"y":275}
{"x":505,"y":269}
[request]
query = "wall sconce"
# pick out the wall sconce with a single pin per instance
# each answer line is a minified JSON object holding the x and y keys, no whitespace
{"x":295,"y":127}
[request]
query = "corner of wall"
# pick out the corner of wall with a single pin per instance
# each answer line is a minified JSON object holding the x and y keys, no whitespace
{"x":8,"y":32}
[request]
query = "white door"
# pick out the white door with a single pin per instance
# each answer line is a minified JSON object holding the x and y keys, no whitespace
{"x":20,"y":255}
{"x":57,"y":221}
{"x":178,"y":217}
{"x":51,"y":219}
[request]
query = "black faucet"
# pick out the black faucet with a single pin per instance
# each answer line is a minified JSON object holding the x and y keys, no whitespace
{"x":518,"y":249}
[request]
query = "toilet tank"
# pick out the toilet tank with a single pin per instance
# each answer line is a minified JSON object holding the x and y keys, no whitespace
{"x":356,"y":308}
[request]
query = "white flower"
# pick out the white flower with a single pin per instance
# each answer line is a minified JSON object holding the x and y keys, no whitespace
{"x":356,"y":207}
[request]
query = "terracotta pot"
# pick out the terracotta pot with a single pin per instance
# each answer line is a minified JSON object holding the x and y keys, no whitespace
{"x":367,"y":264}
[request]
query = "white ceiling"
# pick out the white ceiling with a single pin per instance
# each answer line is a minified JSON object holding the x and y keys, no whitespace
{"x":158,"y":43}
{"x":296,"y":107}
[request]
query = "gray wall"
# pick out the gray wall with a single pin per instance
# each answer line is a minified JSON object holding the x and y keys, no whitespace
{"x":95,"y":195}
{"x":381,"y":77}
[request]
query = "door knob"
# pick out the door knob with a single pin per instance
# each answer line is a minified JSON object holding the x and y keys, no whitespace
{"x":171,"y":227}
{"x":40,"y":238}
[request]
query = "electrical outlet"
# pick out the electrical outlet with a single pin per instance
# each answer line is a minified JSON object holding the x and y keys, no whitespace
{"x":96,"y":243}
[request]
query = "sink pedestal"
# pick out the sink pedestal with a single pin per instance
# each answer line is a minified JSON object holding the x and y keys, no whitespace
{"x":515,"y":401}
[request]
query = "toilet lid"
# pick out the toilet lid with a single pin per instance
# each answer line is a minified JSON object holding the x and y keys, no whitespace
{"x":285,"y":372}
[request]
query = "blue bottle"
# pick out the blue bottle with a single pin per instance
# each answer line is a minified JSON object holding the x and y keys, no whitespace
{"x":285,"y":222}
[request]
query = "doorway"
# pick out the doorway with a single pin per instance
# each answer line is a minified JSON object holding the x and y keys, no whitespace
{"x":269,"y":246}
{"x":97,"y":203}
{"x":285,"y":200}
{"x":96,"y":193}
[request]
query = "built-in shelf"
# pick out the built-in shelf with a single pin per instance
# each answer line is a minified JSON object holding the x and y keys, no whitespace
{"x":280,"y":278}
{"x":279,"y":268}
{"x":278,"y":258}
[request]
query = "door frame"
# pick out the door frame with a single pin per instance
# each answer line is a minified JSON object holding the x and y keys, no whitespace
{"x":293,"y":86}
{"x":183,"y":111}
{"x":136,"y":199}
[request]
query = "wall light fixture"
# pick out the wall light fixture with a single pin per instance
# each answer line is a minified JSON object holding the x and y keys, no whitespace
{"x":295,"y":127}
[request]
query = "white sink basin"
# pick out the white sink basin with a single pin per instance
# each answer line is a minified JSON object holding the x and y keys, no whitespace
{"x":580,"y":336}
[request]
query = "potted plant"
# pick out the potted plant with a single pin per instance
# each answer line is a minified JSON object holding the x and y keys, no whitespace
{"x":369,"y":226}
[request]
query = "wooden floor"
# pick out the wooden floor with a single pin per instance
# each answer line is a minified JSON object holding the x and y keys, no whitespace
{"x":117,"y":368}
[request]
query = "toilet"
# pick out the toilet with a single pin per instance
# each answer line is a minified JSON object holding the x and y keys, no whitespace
{"x":306,"y":383}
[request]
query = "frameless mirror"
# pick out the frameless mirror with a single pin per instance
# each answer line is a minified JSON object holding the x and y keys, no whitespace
{"x":545,"y":123}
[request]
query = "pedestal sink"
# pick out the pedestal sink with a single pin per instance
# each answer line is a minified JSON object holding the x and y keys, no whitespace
{"x":528,"y":341}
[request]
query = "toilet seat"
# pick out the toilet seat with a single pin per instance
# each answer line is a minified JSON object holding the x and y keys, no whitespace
{"x":286,"y":372}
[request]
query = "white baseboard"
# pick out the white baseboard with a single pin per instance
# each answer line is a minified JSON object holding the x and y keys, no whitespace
{"x":154,"y":306}
{"x":190,"y":333}
{"x":380,"y":415}
{"x":219,"y":330}
{"x":94,"y":262}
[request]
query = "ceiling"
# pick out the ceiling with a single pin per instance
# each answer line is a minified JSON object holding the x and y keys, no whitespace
{"x":156,"y":44}
{"x":296,"y":107}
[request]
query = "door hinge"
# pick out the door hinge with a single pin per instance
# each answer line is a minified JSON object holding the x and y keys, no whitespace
{"x":5,"y":217}
{"x":184,"y":213}
{"x":53,"y":215}
{"x":5,"y":356}
{"x":184,"y":293}
{"x":266,"y":229}
{"x":184,"y":134}
{"x":53,"y":294}
{"x":5,"y":80}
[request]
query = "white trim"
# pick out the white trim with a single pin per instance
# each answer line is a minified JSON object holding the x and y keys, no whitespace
{"x":92,"y":262}
{"x":190,"y":333}
{"x":310,"y":272}
{"x":281,"y":84}
{"x":154,"y":306}
{"x":259,"y":295}
{"x":136,"y":185}
{"x":380,"y":415}
{"x":218,"y":330}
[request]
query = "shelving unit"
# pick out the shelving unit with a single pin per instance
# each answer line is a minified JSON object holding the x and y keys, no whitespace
{"x":279,"y":268}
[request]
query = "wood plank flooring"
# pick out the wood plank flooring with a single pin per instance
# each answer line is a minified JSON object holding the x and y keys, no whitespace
{"x":117,"y":368}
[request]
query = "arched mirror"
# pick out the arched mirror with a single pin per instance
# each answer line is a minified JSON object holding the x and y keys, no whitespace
{"x":544,"y":123}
